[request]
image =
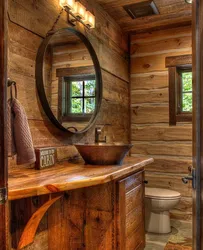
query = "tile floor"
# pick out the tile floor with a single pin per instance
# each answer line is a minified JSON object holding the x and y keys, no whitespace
{"x":181,"y":234}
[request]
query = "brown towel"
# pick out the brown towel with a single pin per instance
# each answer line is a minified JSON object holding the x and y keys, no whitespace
{"x":10,"y":130}
{"x":19,"y":135}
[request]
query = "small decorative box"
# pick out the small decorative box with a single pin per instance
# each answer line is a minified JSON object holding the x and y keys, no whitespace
{"x":45,"y":157}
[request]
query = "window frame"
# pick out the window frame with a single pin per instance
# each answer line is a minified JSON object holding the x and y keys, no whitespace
{"x":176,"y":65}
{"x":181,"y":70}
{"x":74,"y":116}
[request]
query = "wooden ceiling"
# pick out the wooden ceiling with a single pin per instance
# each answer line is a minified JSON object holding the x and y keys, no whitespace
{"x":172,"y":13}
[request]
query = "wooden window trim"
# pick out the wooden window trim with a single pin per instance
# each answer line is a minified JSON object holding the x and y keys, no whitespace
{"x":174,"y":65}
{"x":75,"y":71}
{"x":172,"y":95}
{"x":74,"y":117}
{"x":175,"y":61}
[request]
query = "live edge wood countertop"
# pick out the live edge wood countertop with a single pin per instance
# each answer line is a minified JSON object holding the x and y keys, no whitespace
{"x":65,"y":176}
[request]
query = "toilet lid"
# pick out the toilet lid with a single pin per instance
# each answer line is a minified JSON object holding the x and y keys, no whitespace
{"x":161,"y":193}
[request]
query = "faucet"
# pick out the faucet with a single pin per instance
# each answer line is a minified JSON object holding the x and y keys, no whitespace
{"x":97,"y":134}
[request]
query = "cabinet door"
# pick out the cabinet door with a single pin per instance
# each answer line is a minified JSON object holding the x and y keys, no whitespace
{"x":130,"y":213}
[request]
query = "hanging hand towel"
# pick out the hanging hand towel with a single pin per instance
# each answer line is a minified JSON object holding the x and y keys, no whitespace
{"x":19,"y":133}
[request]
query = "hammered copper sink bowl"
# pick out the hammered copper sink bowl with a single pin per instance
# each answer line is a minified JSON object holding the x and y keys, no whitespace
{"x":103,"y":153}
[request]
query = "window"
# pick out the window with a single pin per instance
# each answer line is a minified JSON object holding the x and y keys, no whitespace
{"x":185,"y":93}
{"x":180,"y":88}
{"x":78,"y":100}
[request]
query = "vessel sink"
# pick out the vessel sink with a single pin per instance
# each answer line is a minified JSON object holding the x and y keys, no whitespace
{"x":103,"y":153}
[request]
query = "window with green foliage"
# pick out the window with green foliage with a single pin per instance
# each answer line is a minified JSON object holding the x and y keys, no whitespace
{"x":82,"y":97}
{"x":78,"y":102}
{"x":185,"y":104}
{"x":180,"y":88}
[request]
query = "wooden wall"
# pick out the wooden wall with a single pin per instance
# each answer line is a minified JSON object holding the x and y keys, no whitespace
{"x":170,"y":146}
{"x":29,"y":22}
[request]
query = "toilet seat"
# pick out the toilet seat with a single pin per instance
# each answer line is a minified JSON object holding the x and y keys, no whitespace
{"x":161,"y":194}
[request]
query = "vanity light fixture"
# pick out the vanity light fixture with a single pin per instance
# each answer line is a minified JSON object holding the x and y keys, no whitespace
{"x":77,"y":12}
{"x":188,"y":1}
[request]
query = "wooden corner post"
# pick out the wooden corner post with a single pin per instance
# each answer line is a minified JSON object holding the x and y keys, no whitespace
{"x":3,"y":144}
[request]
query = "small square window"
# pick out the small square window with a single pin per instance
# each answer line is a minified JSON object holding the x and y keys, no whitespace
{"x":78,"y":102}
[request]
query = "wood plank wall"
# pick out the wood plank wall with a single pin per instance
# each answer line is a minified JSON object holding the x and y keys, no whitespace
{"x":29,"y":22}
{"x":151,"y":134}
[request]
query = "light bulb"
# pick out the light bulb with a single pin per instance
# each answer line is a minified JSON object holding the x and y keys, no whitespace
{"x":67,"y":3}
{"x":89,"y":19}
{"x":62,"y":3}
{"x":71,"y":4}
{"x":79,"y":10}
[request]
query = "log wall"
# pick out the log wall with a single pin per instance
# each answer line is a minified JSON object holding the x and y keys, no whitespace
{"x":170,"y":146}
{"x":29,"y":22}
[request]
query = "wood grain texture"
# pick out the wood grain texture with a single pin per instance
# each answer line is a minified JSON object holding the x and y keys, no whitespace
{"x":173,"y":12}
{"x":150,"y":96}
{"x":161,"y":132}
{"x":32,"y":225}
{"x":137,"y":239}
{"x":87,"y":218}
{"x":99,"y":230}
{"x":66,"y":176}
{"x":162,"y":46}
{"x":149,"y":81}
{"x":151,"y":63}
{"x":4,"y":245}
{"x":171,"y":164}
{"x":163,"y":148}
{"x":172,"y":61}
{"x":134,"y":198}
{"x":142,"y":114}
{"x":133,"y":220}
{"x":172,"y":72}
{"x":170,"y":146}
{"x":130,"y":212}
{"x":75,"y":71}
{"x":164,"y":34}
{"x":21,"y":212}
{"x":197,"y":121}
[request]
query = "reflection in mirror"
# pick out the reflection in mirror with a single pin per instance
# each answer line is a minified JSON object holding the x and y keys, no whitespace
{"x":69,"y":79}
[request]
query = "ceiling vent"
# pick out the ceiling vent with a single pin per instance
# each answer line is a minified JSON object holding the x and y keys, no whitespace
{"x":142,"y":9}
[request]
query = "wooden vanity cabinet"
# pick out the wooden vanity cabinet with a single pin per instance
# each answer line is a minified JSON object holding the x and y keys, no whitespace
{"x":130,"y":213}
{"x":108,"y":216}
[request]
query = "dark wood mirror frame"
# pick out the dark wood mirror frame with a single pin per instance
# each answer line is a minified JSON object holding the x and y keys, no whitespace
{"x":40,"y":80}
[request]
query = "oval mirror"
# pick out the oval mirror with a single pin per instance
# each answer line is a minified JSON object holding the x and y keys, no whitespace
{"x":69,"y":80}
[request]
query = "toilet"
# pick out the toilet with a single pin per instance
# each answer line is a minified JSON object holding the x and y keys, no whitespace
{"x":158,"y":202}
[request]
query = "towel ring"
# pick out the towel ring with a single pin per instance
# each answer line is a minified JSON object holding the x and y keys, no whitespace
{"x":11,"y":91}
{"x":11,"y":83}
